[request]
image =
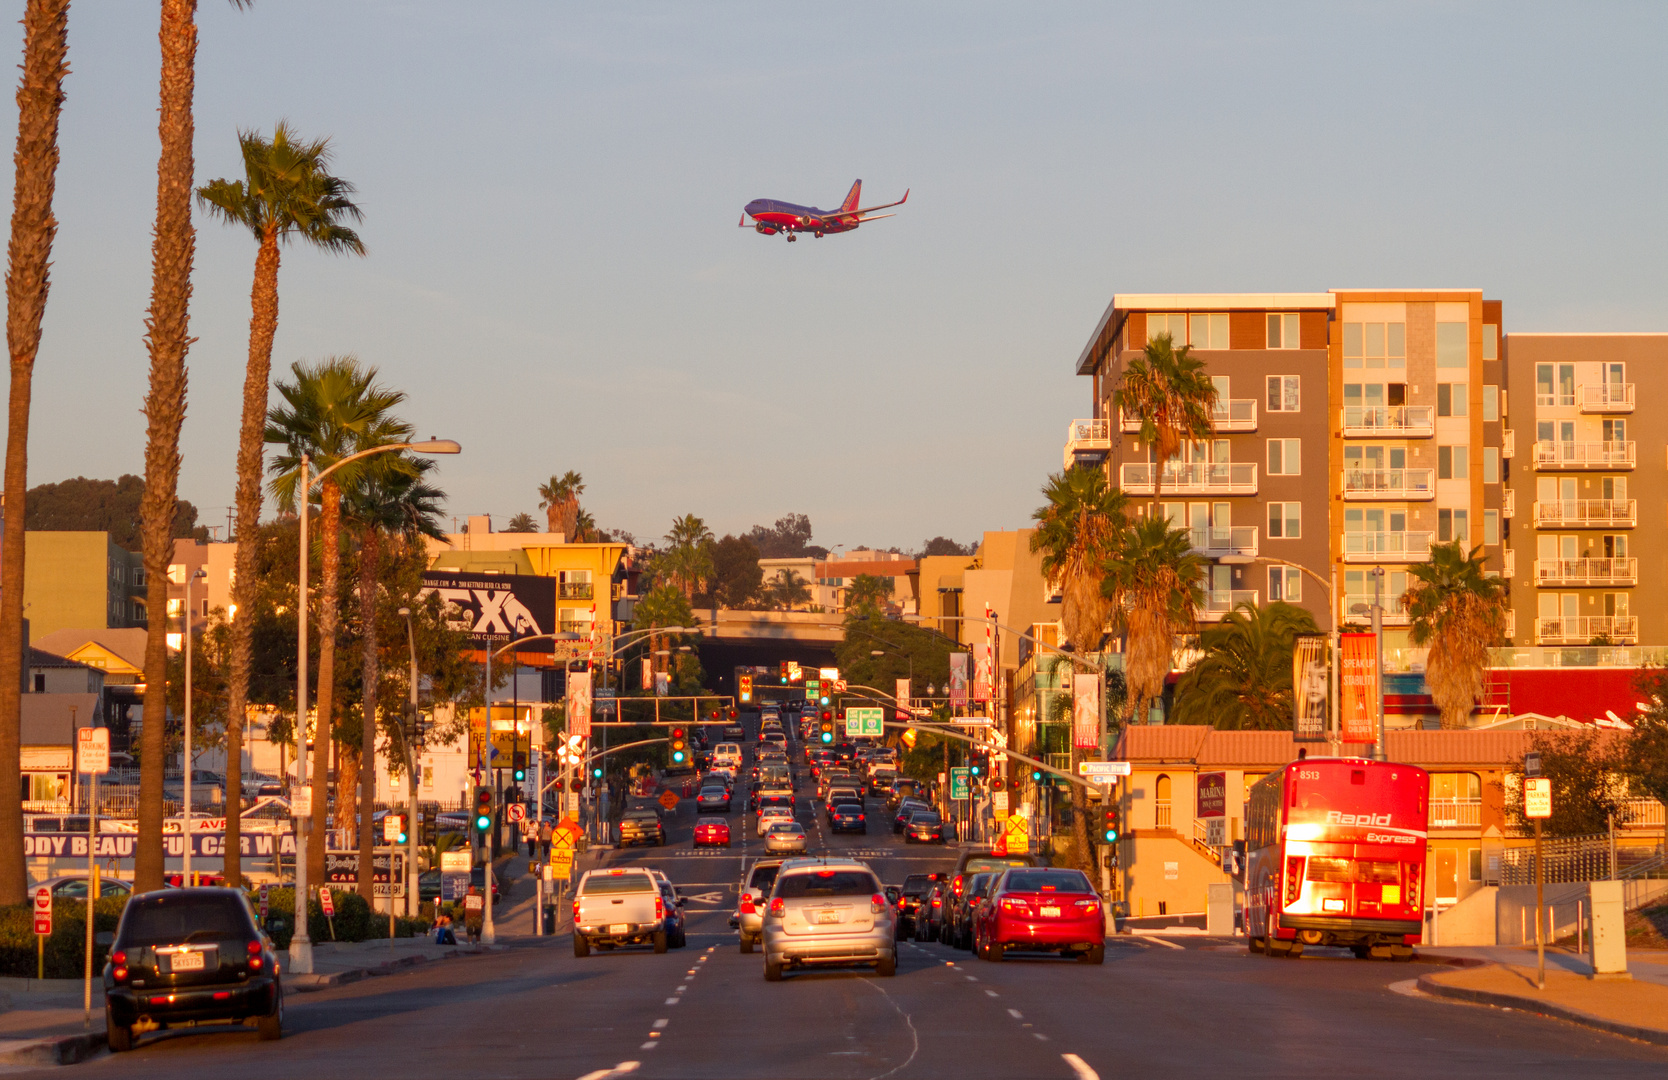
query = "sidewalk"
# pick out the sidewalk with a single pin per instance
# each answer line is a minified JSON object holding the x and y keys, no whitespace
{"x":1505,"y":977}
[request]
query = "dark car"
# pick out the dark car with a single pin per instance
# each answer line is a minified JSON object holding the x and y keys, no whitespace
{"x":847,"y":817}
{"x":906,"y":810}
{"x":641,"y":827}
{"x":924,"y":827}
{"x":734,"y":733}
{"x":929,"y":913}
{"x":915,"y":887}
{"x":186,"y":956}
{"x":964,"y":909}
{"x":477,"y":882}
{"x":713,"y":797}
{"x":675,"y":934}
{"x":428,"y":885}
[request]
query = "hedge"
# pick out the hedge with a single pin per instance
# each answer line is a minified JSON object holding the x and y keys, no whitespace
{"x":66,"y":949}
{"x":354,"y":919}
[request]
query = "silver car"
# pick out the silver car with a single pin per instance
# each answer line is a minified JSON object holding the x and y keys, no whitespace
{"x":751,"y":900}
{"x":785,"y":836}
{"x":828,"y":912}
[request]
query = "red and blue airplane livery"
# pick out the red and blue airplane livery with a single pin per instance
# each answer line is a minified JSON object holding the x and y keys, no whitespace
{"x":771,"y":217}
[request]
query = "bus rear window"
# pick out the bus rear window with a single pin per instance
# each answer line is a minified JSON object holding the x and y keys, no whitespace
{"x":1325,"y":869}
{"x":1322,"y":868}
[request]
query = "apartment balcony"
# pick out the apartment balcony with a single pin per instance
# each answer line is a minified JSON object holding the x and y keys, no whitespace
{"x":1456,"y":813}
{"x":582,"y":627}
{"x":1606,"y":398}
{"x":1508,"y":503}
{"x":1511,"y":624}
{"x":1235,"y":543}
{"x":1508,"y":562}
{"x":573,"y":590}
{"x":1586,"y":571}
{"x":1389,"y":421}
{"x":1386,"y":484}
{"x":1587,"y":514}
{"x":1087,"y":442}
{"x":1358,"y":608}
{"x":1230,"y":414}
{"x":1579,"y":630}
{"x":1194,"y":478}
{"x":1586,"y":455}
{"x":1218,"y":602}
{"x":1387,"y":547}
{"x":1508,"y":444}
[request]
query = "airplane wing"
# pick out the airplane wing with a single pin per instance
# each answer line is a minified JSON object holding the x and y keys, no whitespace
{"x":875,"y":217}
{"x":867,"y":209}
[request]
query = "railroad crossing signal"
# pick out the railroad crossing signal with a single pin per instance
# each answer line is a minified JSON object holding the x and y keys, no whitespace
{"x":746,"y":689}
{"x":483,"y":808}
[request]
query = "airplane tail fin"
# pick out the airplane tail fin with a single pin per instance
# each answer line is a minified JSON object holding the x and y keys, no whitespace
{"x":852,"y":197}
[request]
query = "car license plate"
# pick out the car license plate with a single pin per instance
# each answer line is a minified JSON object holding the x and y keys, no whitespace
{"x":620,"y":928}
{"x":186,"y":961}
{"x":828,"y":916}
{"x":1051,"y":911}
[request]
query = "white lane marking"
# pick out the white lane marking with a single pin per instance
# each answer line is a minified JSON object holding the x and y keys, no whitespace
{"x":971,"y":978}
{"x":681,"y":989}
{"x":1015,"y":1014}
{"x":1407,"y":988}
{"x":992,"y":993}
{"x":1156,"y":941}
{"x":914,"y":1036}
{"x":648,"y":1046}
{"x":622,"y":1069}
{"x":1080,"y":1067}
{"x":671,"y":1001}
{"x":660,"y":1025}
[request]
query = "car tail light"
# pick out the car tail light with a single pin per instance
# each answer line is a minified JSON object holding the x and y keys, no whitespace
{"x":659,"y":908}
{"x":253,"y":948}
{"x":119,"y":969}
{"x":778,"y":907}
{"x":1088,"y":905}
{"x":877,"y":903}
{"x":957,"y":885}
{"x":1294,"y":880}
{"x":747,"y":904}
{"x":1014,"y":906}
{"x":576,"y":909}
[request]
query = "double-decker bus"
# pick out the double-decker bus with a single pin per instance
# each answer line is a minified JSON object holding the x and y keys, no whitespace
{"x":1335,"y":855}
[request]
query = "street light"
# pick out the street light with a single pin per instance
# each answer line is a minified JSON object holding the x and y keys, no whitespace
{"x":301,"y":946}
{"x":186,"y":626}
{"x":411,"y":898}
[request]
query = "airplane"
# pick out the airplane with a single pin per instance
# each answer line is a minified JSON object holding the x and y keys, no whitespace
{"x":771,"y":217}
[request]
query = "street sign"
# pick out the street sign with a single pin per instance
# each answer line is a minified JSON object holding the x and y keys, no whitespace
{"x":561,"y":864}
{"x":999,"y":804}
{"x":1537,"y":797}
{"x":865,"y":722}
{"x":455,"y":862}
{"x":92,"y":750}
{"x":1216,"y":832}
{"x":391,"y":827}
{"x":960,"y":782}
{"x":264,"y":899}
{"x":1016,"y":832}
{"x":516,"y":811}
{"x":813,"y":689}
{"x":43,"y":911}
{"x":1100,"y":769}
{"x":301,"y":801}
{"x":669,"y":799}
{"x":970,"y":721}
{"x":839,"y":686}
{"x":326,"y":901}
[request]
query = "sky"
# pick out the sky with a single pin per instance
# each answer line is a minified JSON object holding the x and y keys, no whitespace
{"x":555,"y":279}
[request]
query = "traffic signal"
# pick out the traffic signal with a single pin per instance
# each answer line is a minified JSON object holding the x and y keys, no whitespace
{"x":975,"y":765}
{"x":520,"y":768}
{"x":734,"y":714}
{"x":401,"y":838}
{"x":483,"y":808}
{"x":1036,"y":776}
{"x":825,"y":728}
{"x":596,"y":772}
{"x":784,"y":673}
{"x":746,"y":689}
{"x":576,"y":784}
{"x":1109,"y":828}
{"x":679,"y":747}
{"x":429,"y":830}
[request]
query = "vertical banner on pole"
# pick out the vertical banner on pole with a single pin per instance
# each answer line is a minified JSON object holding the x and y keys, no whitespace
{"x":902,"y":693}
{"x":1309,"y":688}
{"x":1358,"y":688}
{"x":984,"y":672}
{"x":648,"y":673}
{"x":1085,"y":710}
{"x":579,"y":704}
{"x":958,"y":678}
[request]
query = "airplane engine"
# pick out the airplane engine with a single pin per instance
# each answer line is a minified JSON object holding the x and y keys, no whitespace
{"x":765,"y":228}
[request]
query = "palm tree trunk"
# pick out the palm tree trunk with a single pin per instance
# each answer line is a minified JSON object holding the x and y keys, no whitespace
{"x":1080,"y":855}
{"x":330,"y":565}
{"x":370,"y":557}
{"x":263,"y":326}
{"x":40,"y":100}
{"x":167,"y":338}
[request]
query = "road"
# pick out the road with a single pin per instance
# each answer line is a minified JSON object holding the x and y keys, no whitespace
{"x":1153,"y":1010}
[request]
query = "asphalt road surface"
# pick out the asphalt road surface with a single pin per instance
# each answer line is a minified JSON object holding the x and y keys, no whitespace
{"x":1153,"y":1010}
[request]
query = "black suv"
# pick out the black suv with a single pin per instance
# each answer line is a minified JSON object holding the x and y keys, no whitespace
{"x":190,"y":955}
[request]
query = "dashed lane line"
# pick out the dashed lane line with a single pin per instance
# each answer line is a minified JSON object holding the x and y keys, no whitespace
{"x":624,"y":1068}
{"x":1015,"y":1014}
{"x":1157,"y":941}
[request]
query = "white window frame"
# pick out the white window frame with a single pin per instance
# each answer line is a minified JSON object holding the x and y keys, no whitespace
{"x":1285,"y":330}
{"x":1274,"y":393}
{"x":1283,"y":454}
{"x":1280,"y":520}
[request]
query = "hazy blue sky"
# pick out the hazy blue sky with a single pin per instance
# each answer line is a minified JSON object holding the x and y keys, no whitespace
{"x":555,"y":275}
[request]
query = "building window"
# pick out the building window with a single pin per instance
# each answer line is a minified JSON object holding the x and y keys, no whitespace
{"x":1208,"y":331}
{"x":1283,"y":393}
{"x":1285,"y":583}
{"x":1614,"y":430}
{"x":1491,"y":464}
{"x":1284,"y":457}
{"x":1491,"y":403}
{"x":1285,"y":520}
{"x":1474,"y":856}
{"x":1615,"y":605}
{"x":1554,"y":385}
{"x":1174,"y":324}
{"x":1451,"y":463}
{"x":1283,"y":331}
{"x":1451,"y":350}
{"x":1161,"y":802}
{"x":1450,"y":399}
{"x":40,"y":686}
{"x":1451,"y":525}
{"x":1491,"y":341}
{"x":1375,"y":345}
{"x":175,"y":606}
{"x":1491,"y":526}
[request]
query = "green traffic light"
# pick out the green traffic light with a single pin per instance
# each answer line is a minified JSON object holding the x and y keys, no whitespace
{"x":402,"y":838}
{"x":520,"y":775}
{"x":828,"y":736}
{"x":1111,"y":836}
{"x":597,"y":772}
{"x":483,"y":822}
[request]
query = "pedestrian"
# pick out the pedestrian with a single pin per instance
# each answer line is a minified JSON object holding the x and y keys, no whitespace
{"x":546,"y":830}
{"x":530,"y":833}
{"x":443,"y":934}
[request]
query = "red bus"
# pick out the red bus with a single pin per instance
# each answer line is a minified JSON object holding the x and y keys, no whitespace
{"x":1335,"y":855}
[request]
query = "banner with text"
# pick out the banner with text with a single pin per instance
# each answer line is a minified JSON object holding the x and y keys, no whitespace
{"x":495,"y":609}
{"x":1085,"y":710}
{"x":902,"y":694}
{"x":984,"y":671}
{"x":122,"y":845}
{"x":1309,"y":688}
{"x":958,"y":678}
{"x":579,"y":703}
{"x":1358,"y":711}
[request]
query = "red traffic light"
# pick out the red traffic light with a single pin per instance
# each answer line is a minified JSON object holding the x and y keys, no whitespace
{"x":577,"y":783}
{"x":734,"y":714}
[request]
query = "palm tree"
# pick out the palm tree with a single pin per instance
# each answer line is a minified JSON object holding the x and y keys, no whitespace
{"x":40,"y":101}
{"x":286,"y":193}
{"x":1155,"y":584}
{"x":786,"y":589}
{"x":1077,"y":531}
{"x":688,"y":557}
{"x":1243,"y":680}
{"x":584,"y":528}
{"x":1460,"y":614}
{"x":522,"y":523}
{"x":332,"y":409}
{"x":391,"y":499}
{"x":1167,"y":388}
{"x":559,"y":500}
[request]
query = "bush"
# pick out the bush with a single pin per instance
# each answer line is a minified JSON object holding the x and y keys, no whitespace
{"x":354,"y":919}
{"x":66,"y":949}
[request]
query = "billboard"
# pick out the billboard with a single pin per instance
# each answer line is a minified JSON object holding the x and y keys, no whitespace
{"x":1309,"y":688}
{"x":495,"y":609}
{"x":1085,"y":710}
{"x":1358,"y":688}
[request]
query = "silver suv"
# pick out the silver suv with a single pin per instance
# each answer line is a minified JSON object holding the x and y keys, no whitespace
{"x":828,"y":912}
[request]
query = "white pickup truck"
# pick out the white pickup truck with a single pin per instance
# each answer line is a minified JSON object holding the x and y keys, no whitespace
{"x":618,"y":907}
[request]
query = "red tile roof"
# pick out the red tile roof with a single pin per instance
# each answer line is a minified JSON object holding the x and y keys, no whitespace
{"x":1207,"y":747}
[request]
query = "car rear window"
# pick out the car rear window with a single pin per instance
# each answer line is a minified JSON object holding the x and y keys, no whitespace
{"x":827,"y":883}
{"x":993,"y":862}
{"x":764,"y":877}
{"x":165,"y":920}
{"x":925,"y":817}
{"x":599,"y":884}
{"x":1071,"y":881}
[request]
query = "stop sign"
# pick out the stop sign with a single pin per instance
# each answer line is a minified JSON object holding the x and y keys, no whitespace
{"x":43,"y":911}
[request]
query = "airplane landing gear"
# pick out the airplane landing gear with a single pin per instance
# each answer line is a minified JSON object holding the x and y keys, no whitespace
{"x":792,"y":238}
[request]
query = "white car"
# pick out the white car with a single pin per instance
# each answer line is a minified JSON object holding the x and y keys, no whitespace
{"x":726,"y":755}
{"x":772,"y":814}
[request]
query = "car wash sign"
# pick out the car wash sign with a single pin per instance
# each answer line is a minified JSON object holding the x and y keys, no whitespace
{"x":495,"y":609}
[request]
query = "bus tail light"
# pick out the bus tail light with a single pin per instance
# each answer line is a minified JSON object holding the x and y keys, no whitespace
{"x":1413,"y":885}
{"x":1294,"y":880}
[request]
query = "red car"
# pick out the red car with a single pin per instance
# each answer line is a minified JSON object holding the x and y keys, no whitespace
{"x":1037,"y":909}
{"x":712,"y":832}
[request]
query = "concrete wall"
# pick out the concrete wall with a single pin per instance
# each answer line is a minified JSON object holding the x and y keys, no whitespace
{"x":1505,"y":914}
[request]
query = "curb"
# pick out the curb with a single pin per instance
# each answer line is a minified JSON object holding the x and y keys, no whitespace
{"x":63,"y":1050}
{"x":1542,"y":1008}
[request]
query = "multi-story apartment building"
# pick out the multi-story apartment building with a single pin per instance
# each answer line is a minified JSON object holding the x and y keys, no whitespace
{"x":81,"y":580}
{"x":1588,"y":486}
{"x":1353,"y":429}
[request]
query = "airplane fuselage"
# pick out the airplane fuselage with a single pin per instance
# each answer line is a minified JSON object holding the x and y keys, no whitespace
{"x":771,"y":216}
